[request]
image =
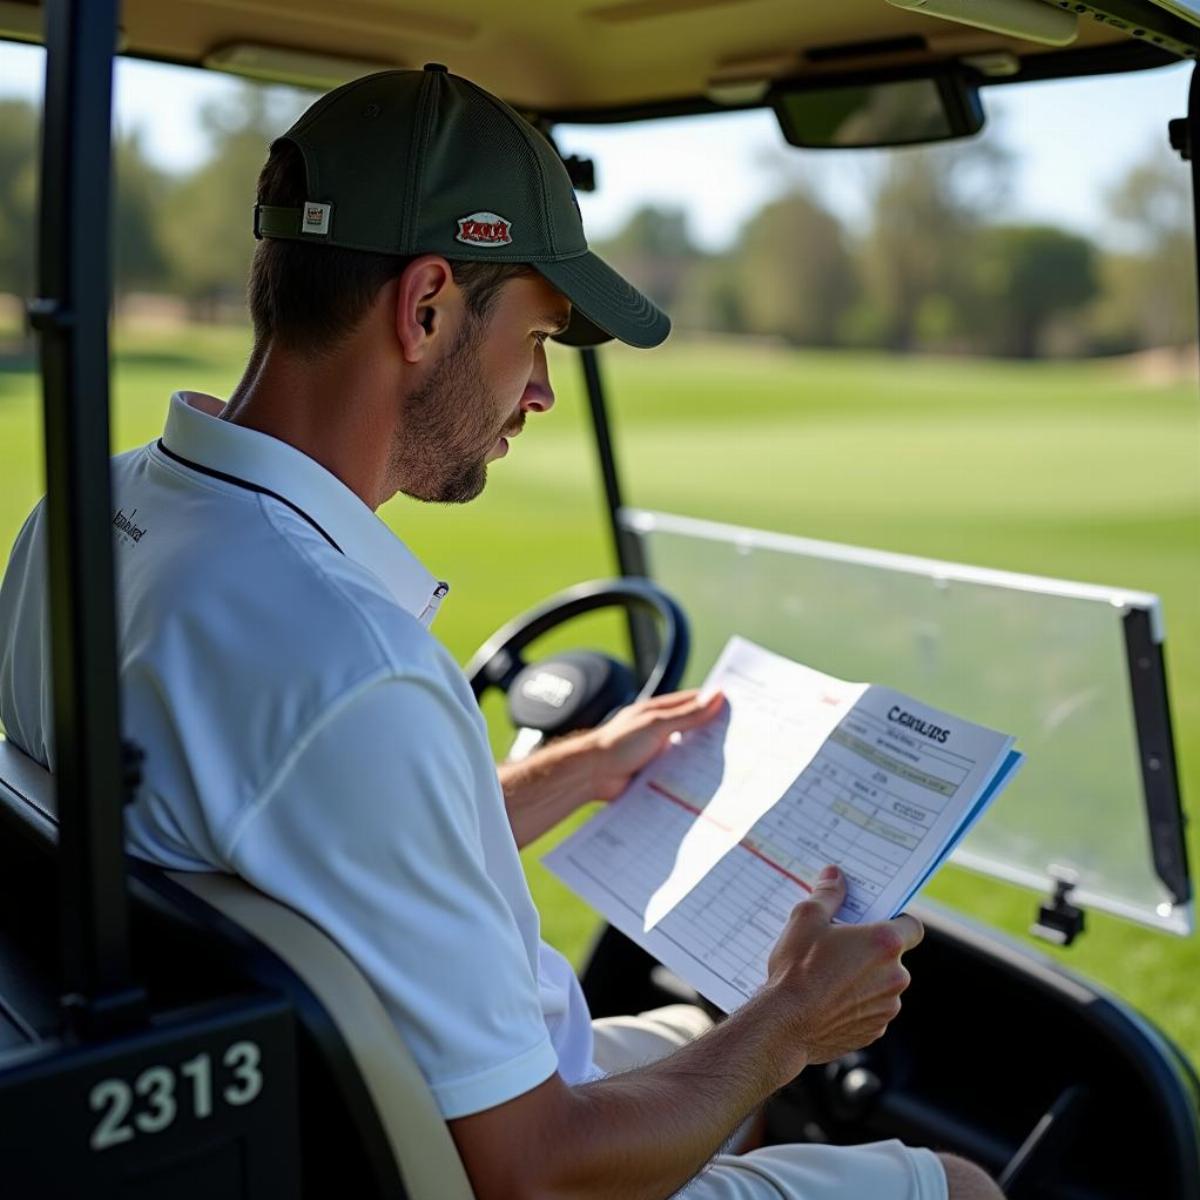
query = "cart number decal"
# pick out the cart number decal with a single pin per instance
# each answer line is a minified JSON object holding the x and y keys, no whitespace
{"x":151,"y":1104}
{"x":244,"y":1059}
{"x":116,"y":1096}
{"x":157,"y":1087}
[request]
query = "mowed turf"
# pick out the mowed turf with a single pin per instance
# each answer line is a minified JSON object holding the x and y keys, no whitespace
{"x":1079,"y":470}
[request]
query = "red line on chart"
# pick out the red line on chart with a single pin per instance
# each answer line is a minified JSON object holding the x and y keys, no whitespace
{"x":658,"y":789}
{"x":696,"y":812}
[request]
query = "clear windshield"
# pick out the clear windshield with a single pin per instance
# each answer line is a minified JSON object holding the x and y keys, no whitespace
{"x":1038,"y":658}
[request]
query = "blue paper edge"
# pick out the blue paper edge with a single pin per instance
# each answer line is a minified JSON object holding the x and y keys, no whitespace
{"x":998,"y":782}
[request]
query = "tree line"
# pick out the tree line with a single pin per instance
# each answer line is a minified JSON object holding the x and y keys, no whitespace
{"x":186,"y":234}
{"x":936,"y":266}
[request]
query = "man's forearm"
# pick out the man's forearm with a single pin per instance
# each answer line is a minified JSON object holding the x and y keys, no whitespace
{"x":643,"y":1134}
{"x":596,"y":764}
{"x":548,"y":786}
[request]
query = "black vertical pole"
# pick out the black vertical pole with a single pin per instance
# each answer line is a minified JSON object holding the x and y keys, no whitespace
{"x":608,"y":466}
{"x":1191,"y":154}
{"x":643,"y":639}
{"x":71,"y":317}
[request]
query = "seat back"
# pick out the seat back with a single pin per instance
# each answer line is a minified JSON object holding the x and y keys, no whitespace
{"x":421,"y":1144}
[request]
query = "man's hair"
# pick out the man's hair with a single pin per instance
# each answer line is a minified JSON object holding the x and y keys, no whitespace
{"x":308,"y":297}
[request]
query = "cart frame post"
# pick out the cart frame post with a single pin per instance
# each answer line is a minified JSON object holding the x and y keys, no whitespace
{"x":70,"y":316}
{"x":643,"y":637}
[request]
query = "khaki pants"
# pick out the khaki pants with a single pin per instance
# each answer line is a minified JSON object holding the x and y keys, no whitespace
{"x":879,"y":1171}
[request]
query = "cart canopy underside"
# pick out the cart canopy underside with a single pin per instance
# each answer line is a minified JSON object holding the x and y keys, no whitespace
{"x":608,"y":59}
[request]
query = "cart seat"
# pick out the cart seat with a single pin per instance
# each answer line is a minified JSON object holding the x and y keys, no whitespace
{"x":414,"y":1129}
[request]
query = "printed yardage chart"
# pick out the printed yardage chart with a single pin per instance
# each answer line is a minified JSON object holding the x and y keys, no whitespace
{"x":704,"y":857}
{"x":850,"y":806}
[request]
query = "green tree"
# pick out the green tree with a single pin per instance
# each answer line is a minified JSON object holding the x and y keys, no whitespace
{"x":140,"y":259}
{"x":709,"y":297}
{"x":1152,"y":297}
{"x":927,"y":206}
{"x":18,"y":196}
{"x":207,"y":216}
{"x":139,"y":187}
{"x":654,"y":250}
{"x":1025,"y":276}
{"x":795,"y":276}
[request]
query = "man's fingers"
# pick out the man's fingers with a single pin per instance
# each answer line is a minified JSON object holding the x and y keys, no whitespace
{"x":670,"y":700}
{"x":697,"y":711}
{"x":830,"y":891}
{"x":911,"y":931}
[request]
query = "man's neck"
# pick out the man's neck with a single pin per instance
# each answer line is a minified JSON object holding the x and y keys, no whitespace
{"x":326,"y":408}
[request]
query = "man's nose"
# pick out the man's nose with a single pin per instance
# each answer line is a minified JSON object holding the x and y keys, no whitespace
{"x":539,"y":395}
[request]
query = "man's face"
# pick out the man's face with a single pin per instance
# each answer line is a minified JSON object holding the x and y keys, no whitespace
{"x":477,"y":396}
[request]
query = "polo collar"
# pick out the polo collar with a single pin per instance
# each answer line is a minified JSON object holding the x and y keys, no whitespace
{"x":266,"y":463}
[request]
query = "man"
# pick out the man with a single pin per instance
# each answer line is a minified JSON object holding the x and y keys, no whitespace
{"x":420,"y":243}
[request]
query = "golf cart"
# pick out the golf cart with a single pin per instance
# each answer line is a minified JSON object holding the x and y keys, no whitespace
{"x":173,"y":1034}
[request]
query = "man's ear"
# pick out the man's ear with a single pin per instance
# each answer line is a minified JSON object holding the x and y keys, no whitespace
{"x":427,"y":306}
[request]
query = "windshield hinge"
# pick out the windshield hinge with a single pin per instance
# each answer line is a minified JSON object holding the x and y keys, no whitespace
{"x":1059,"y":921}
{"x":582,"y":172}
{"x":1181,"y":137}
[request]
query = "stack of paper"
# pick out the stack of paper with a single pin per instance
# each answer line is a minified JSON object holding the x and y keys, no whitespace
{"x":704,"y":856}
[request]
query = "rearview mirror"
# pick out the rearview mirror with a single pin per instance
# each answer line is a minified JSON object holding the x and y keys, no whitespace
{"x":878,"y":110}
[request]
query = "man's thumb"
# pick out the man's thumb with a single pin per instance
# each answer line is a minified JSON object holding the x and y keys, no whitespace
{"x":830,"y":891}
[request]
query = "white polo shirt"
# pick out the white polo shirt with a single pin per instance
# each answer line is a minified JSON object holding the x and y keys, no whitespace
{"x":304,"y":730}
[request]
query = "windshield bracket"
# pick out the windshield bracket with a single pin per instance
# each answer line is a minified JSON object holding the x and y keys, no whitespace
{"x":1059,"y":921}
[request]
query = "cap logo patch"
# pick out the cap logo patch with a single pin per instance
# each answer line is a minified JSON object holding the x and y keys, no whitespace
{"x":315,"y":218}
{"x":484,"y":229}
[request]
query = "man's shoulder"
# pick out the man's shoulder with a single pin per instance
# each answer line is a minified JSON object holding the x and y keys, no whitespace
{"x":238,"y":612}
{"x":247,"y":569}
{"x":234,"y":616}
{"x":280,"y":615}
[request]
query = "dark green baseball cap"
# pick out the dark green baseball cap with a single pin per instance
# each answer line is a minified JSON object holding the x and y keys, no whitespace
{"x":424,"y":162}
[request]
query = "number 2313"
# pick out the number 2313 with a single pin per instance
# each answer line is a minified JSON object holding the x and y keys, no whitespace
{"x":156,"y":1094}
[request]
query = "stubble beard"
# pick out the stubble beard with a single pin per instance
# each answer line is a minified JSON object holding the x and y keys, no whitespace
{"x":440,"y":454}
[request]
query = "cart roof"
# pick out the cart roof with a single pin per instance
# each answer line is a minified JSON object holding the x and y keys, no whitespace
{"x":615,"y":59}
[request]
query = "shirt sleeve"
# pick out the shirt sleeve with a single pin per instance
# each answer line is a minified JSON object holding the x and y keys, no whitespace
{"x":373,"y":832}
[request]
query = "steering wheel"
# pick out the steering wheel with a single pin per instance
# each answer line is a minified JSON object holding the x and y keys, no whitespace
{"x":581,"y":688}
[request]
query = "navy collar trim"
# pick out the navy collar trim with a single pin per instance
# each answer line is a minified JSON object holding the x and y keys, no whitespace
{"x":250,"y":487}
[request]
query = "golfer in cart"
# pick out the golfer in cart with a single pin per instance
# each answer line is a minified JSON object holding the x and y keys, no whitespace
{"x":419,"y":242}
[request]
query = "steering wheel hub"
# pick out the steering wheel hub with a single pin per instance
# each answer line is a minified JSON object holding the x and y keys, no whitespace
{"x":575,"y":690}
{"x":579,"y":689}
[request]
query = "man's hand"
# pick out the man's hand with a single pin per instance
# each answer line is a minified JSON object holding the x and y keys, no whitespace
{"x":642,"y":1134}
{"x":845,"y":981}
{"x":554,"y":781}
{"x":637,"y":734}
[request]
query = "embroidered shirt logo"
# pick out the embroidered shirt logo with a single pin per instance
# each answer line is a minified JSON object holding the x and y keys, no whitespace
{"x":316,"y":217}
{"x":126,"y":525}
{"x":484,"y":229}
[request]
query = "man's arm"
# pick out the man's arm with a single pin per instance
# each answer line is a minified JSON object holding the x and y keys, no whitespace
{"x":385,"y":828}
{"x":549,"y":785}
{"x":643,"y":1134}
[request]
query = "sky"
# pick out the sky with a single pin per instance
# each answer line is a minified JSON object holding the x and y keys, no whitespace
{"x":1071,"y":140}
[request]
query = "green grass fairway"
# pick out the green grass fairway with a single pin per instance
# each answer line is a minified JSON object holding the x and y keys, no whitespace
{"x":1076,"y":470}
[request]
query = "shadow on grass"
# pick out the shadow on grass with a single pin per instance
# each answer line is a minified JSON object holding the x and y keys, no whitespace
{"x":18,"y":366}
{"x":18,"y":361}
{"x":24,"y":360}
{"x":173,"y":359}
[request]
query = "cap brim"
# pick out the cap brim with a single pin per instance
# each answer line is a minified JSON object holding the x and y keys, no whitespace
{"x":604,"y":305}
